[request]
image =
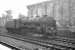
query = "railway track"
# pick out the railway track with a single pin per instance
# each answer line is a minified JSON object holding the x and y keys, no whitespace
{"x":54,"y":42}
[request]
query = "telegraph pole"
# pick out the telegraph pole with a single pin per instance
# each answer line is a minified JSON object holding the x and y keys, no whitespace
{"x":70,"y":13}
{"x":37,"y":11}
{"x":46,"y":9}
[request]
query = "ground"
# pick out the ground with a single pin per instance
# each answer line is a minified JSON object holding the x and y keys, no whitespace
{"x":3,"y":30}
{"x":4,"y":47}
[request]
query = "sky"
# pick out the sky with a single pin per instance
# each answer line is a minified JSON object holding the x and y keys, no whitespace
{"x":17,"y":6}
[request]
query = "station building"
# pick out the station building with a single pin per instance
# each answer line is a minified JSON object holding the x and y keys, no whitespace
{"x":61,"y":10}
{"x":40,"y":9}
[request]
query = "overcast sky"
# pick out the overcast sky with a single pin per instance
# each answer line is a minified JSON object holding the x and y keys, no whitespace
{"x":18,"y":6}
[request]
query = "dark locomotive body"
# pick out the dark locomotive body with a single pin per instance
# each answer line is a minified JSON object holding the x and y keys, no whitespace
{"x":44,"y":26}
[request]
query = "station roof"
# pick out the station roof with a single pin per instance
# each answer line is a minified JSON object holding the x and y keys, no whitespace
{"x":37,"y":4}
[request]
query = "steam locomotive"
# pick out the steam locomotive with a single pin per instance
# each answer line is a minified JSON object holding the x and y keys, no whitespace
{"x":44,"y":25}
